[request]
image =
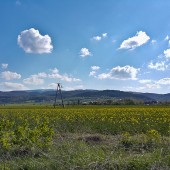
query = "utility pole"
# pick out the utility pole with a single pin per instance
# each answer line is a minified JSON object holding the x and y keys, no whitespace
{"x":58,"y":92}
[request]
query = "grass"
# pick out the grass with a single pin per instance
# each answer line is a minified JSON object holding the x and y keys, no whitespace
{"x":87,"y":151}
{"x":89,"y":138}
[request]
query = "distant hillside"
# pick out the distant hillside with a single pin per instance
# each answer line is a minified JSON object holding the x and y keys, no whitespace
{"x":49,"y":95}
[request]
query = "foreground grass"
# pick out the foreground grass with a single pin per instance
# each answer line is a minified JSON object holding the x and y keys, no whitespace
{"x":128,"y":138}
{"x":87,"y":151}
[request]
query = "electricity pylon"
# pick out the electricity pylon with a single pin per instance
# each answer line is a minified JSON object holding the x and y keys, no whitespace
{"x":58,"y":92}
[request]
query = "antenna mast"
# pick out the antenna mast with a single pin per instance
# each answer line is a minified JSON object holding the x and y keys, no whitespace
{"x":58,"y":91}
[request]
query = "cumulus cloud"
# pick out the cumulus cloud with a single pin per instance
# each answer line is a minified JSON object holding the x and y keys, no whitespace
{"x":104,"y":35}
{"x":52,"y":85}
{"x":95,"y":68}
{"x":153,"y":41}
{"x":99,"y":38}
{"x":56,"y":75}
{"x":139,"y":39}
{"x":166,"y":38}
{"x":160,"y":66}
{"x":104,"y":76}
{"x":92,"y":73}
{"x":155,"y":84}
{"x":152,"y":86}
{"x":41,"y":75}
{"x":145,"y":81}
{"x":122,"y":73}
{"x":35,"y":79}
{"x":164,"y":81}
{"x":84,"y":52}
{"x":162,"y":62}
{"x":4,"y":66}
{"x":167,"y":53}
{"x":8,"y":75}
{"x":12,"y":86}
{"x":33,"y":42}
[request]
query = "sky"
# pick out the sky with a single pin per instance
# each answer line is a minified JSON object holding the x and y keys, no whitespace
{"x":85,"y":44}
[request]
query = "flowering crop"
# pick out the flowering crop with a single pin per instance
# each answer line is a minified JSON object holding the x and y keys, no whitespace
{"x":30,"y":127}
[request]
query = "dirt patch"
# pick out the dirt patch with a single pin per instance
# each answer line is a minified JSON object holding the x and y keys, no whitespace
{"x":91,"y":139}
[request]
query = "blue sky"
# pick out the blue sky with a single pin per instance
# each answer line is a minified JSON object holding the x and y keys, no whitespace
{"x":85,"y":44}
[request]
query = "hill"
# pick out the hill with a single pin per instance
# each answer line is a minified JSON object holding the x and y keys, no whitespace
{"x":84,"y":95}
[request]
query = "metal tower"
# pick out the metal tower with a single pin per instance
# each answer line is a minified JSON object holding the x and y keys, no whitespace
{"x":58,"y":92}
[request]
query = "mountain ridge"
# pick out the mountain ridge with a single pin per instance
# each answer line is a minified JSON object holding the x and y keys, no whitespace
{"x":43,"y":95}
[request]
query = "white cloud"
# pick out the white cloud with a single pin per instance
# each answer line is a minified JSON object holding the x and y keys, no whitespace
{"x":145,"y":81}
{"x":123,"y":73}
{"x":54,"y":71}
{"x":148,"y":86}
{"x":94,"y":68}
{"x":161,"y":56}
{"x":84,"y":52}
{"x":4,"y":66}
{"x":75,"y":79}
{"x":164,"y":81}
{"x":139,"y":39}
{"x":13,"y":86}
{"x":92,"y":73}
{"x":166,"y":38}
{"x":161,"y":66}
{"x":38,"y":79}
{"x":152,"y":86}
{"x":56,"y":75}
{"x":41,"y":75}
{"x":97,"y":38}
{"x":167,"y":53}
{"x":147,"y":72}
{"x":104,"y":76}
{"x":8,"y":75}
{"x":35,"y":79}
{"x":52,"y":86}
{"x":33,"y":42}
{"x":104,"y":35}
{"x":153,"y":41}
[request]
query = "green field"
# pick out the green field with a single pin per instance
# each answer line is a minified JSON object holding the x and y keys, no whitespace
{"x":85,"y":137}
